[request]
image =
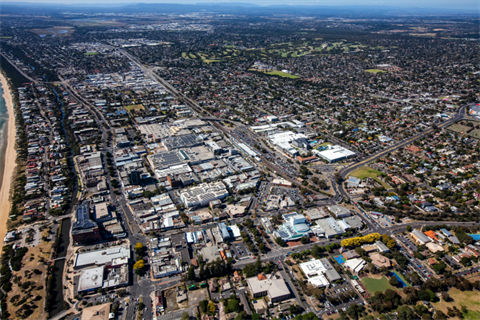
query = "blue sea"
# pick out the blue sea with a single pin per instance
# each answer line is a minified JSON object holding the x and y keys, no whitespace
{"x":3,"y":132}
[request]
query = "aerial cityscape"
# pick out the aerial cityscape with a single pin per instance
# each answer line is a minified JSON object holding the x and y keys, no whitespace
{"x":240,"y":161}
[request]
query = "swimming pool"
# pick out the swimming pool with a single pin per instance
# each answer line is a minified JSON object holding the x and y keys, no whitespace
{"x":340,"y":259}
{"x":475,"y":236}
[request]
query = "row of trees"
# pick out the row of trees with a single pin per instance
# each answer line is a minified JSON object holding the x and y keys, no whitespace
{"x":358,"y":241}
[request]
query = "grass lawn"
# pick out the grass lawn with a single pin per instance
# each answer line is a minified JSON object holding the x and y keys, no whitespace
{"x":367,"y":172}
{"x":374,"y":285}
{"x":325,"y":144}
{"x":31,"y":261}
{"x":375,"y":71}
{"x":472,"y":315}
{"x":136,"y":107}
{"x":466,"y":298}
{"x":91,"y":53}
{"x":282,"y":74}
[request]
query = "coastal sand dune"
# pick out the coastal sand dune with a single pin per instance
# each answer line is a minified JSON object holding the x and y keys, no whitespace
{"x":10,"y":161}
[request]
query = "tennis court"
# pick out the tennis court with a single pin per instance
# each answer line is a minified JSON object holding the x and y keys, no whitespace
{"x":340,"y":259}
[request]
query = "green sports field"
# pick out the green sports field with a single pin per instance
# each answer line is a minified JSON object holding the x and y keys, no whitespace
{"x":374,"y":285}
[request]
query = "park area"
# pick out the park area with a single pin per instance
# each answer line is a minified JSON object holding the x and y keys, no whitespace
{"x":367,"y":172}
{"x":468,"y":299}
{"x":373,"y":285}
{"x":468,"y":128}
{"x":375,"y":71}
{"x":282,"y":74}
{"x":136,"y":107}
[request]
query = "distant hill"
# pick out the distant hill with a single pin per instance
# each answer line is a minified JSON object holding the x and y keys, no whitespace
{"x":220,"y":8}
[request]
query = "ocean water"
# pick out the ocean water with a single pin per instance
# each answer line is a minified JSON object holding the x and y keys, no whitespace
{"x":3,"y":133}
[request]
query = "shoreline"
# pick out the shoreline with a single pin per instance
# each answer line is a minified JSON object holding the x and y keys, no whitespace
{"x":10,"y":160}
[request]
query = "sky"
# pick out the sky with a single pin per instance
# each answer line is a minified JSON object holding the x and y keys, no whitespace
{"x":457,"y":4}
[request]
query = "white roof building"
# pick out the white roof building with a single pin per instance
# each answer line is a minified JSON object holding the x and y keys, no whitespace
{"x":315,"y":272}
{"x":102,"y":257}
{"x":355,"y":265}
{"x":201,"y":195}
{"x":91,"y":279}
{"x":334,"y":153}
{"x":320,"y":272}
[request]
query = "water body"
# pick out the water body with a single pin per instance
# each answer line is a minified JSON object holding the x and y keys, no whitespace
{"x":3,"y":133}
{"x":59,"y":266}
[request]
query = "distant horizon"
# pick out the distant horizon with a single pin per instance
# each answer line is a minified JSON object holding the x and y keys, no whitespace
{"x":405,"y":4}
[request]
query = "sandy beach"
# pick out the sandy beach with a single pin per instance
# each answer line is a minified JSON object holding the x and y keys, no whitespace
{"x":10,"y":161}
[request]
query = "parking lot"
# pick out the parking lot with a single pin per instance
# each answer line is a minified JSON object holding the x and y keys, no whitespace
{"x":240,"y":250}
{"x":195,"y":296}
{"x":408,"y":243}
{"x":293,"y":193}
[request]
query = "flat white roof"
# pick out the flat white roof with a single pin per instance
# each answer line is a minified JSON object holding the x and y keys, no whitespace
{"x":335,"y":153}
{"x":101,"y":257}
{"x":91,"y":279}
{"x":315,"y":272}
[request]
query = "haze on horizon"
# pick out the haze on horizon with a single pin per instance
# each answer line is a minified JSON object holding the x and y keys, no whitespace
{"x":460,"y":4}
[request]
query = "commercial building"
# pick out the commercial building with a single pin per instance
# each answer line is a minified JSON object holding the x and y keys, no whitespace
{"x":316,"y":213}
{"x":134,"y":177}
{"x":84,"y":229}
{"x":339,"y":212}
{"x":110,"y":257}
{"x":354,"y":222}
{"x":320,"y":272}
{"x":419,"y":237}
{"x":434,"y":247}
{"x":355,"y":265}
{"x":380,"y":261}
{"x":294,"y":227}
{"x":334,"y":153}
{"x":474,"y":111}
{"x":166,"y":159}
{"x":381,"y":246}
{"x":100,"y":312}
{"x":200,"y":196}
{"x":154,"y":132}
{"x":330,"y":226}
{"x":90,"y":279}
{"x":273,"y":286}
{"x":177,"y":142}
